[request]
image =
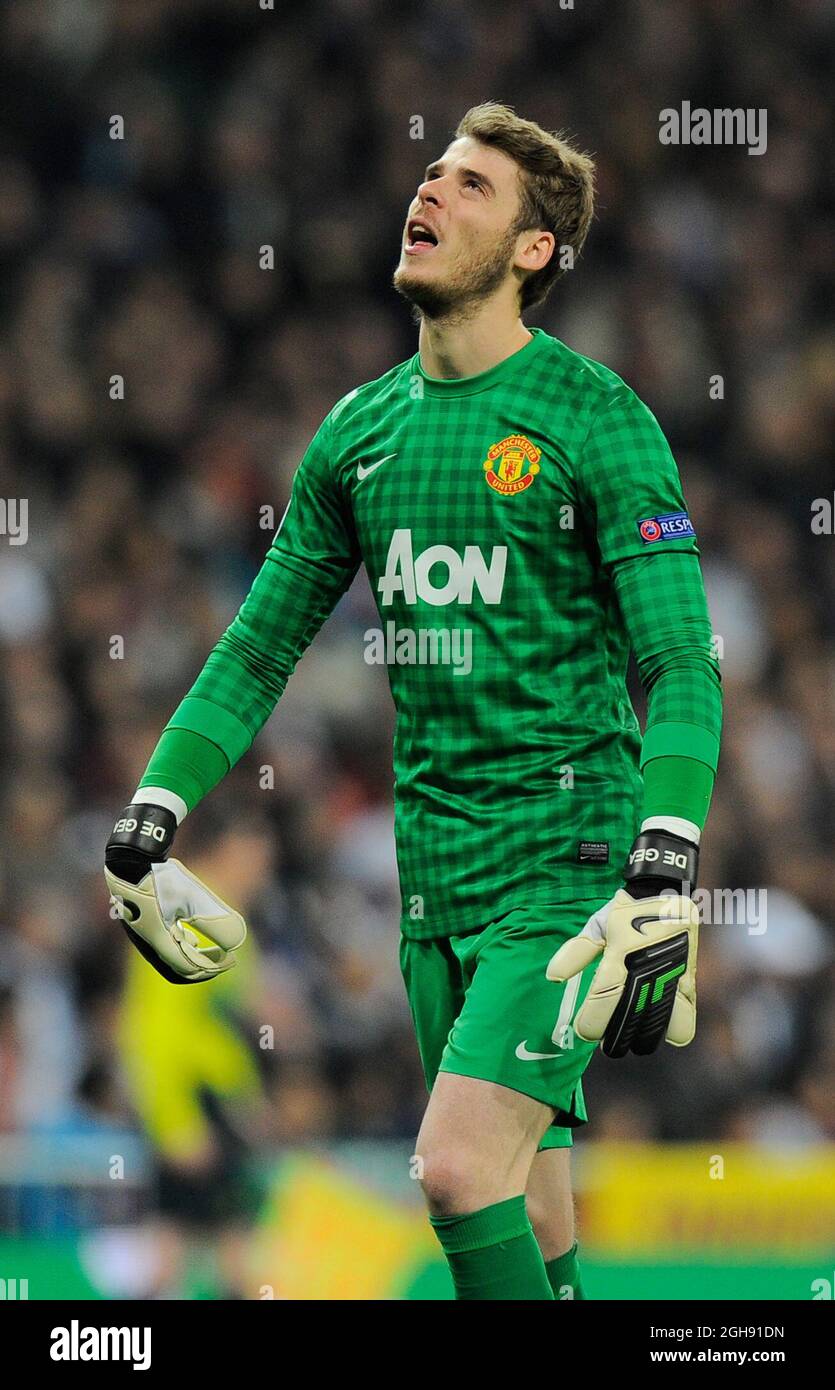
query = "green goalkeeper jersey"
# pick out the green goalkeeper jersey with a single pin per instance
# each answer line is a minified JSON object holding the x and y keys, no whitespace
{"x":521,"y":529}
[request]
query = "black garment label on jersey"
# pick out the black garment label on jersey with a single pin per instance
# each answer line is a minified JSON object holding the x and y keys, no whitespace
{"x":593,"y":852}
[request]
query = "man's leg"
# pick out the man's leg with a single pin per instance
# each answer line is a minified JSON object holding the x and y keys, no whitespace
{"x":501,"y":1062}
{"x":476,"y":1145}
{"x":551,"y":1210}
{"x":550,"y":1202}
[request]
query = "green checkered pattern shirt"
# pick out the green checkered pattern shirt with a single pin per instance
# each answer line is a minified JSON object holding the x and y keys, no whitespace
{"x":521,"y":529}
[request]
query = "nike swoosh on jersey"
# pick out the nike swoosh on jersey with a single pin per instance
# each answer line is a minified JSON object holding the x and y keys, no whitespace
{"x":364,"y":472}
{"x":525,"y":1056}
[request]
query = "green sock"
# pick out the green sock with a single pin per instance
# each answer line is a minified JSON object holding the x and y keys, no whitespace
{"x":564,"y":1275}
{"x":493,"y":1254}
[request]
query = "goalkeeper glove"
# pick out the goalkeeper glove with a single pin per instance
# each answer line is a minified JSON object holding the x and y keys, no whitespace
{"x":644,"y":988}
{"x":159,"y":901}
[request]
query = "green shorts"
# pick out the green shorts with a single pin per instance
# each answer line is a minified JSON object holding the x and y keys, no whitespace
{"x":482,"y":1007}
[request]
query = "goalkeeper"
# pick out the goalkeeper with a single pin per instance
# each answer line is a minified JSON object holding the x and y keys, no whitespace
{"x":517,"y":501}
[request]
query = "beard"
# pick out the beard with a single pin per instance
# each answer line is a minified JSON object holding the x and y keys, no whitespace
{"x":466,"y":286}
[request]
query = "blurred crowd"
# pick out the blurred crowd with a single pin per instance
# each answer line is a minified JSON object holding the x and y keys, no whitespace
{"x":707,"y":283}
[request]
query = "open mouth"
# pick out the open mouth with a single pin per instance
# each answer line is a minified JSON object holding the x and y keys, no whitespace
{"x":419,"y":237}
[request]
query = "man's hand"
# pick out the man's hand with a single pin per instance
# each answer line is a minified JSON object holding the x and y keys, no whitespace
{"x":162,"y":905}
{"x":644,"y":988}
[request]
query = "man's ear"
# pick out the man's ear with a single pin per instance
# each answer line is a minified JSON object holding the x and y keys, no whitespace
{"x":537,"y":249}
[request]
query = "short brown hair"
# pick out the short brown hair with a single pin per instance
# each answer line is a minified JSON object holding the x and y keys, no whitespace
{"x":556,"y":185}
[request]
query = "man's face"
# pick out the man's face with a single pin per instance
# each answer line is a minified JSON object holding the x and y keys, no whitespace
{"x":458,"y":246}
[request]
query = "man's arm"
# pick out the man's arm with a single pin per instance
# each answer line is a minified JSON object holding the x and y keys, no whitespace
{"x":167,"y":912}
{"x":629,"y":483}
{"x":664,"y":609}
{"x":644,"y":988}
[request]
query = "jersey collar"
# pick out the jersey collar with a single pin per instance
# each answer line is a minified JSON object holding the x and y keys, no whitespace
{"x":469,"y":385}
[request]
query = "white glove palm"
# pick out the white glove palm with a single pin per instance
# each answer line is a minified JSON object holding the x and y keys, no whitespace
{"x":159,"y":912}
{"x":646,"y":945}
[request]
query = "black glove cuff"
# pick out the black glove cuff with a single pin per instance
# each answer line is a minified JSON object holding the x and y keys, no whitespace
{"x":142,"y":835}
{"x":659,"y":860}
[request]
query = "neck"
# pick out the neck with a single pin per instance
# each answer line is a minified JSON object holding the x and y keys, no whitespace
{"x":464,"y":345}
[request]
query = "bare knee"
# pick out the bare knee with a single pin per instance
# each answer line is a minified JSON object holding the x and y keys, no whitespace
{"x":476,"y":1144}
{"x":451,"y":1181}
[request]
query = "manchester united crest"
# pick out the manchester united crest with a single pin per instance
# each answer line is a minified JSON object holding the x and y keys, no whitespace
{"x":512,"y":464}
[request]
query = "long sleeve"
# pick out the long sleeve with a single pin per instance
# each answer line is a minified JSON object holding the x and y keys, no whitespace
{"x":629,"y":482}
{"x":665,"y":613}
